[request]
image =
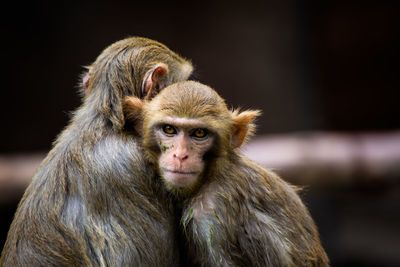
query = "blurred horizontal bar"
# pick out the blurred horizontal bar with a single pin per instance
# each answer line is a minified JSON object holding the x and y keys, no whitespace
{"x":321,"y":158}
{"x":312,"y":158}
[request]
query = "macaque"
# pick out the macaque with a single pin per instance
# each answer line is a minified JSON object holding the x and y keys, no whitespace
{"x":94,"y":201}
{"x":234,"y":212}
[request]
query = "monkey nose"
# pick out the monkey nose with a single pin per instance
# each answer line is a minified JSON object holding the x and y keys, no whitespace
{"x":181,"y":157}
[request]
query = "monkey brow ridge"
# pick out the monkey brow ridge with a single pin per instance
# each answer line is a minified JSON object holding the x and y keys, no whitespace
{"x":185,"y":122}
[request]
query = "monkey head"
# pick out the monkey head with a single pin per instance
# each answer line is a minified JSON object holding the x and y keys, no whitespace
{"x":185,"y":128}
{"x":141,"y":66}
{"x":134,"y":66}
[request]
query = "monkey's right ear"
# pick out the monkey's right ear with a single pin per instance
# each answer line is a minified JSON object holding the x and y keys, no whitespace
{"x":243,"y":126}
{"x":154,"y":80}
{"x":133,"y":110}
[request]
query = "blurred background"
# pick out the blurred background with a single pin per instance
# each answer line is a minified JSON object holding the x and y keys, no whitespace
{"x":325,"y":74}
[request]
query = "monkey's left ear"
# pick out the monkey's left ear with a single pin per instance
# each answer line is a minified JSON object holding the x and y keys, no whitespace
{"x":85,"y":81}
{"x":133,"y":110}
{"x":154,"y":80}
{"x":243,"y":126}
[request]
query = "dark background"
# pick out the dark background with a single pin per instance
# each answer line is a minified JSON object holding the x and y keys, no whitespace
{"x":309,"y":65}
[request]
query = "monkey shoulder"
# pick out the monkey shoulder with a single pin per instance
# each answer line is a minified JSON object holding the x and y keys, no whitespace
{"x":116,"y":153}
{"x":277,"y":218}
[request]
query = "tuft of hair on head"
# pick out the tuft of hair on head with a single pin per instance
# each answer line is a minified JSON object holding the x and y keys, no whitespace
{"x":243,"y":126}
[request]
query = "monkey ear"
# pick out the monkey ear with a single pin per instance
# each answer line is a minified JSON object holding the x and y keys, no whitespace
{"x":154,"y":80}
{"x":85,"y":82}
{"x":133,"y":109}
{"x":243,"y":126}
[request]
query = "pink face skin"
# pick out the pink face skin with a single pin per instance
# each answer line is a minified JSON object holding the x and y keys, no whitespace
{"x":183,"y":142}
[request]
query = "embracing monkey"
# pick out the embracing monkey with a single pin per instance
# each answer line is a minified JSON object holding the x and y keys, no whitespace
{"x":94,"y":201}
{"x":234,"y":212}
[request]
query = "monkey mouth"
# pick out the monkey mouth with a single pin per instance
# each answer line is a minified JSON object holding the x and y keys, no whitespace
{"x":178,"y":178}
{"x":177,"y":172}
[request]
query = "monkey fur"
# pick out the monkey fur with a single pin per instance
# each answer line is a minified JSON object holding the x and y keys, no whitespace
{"x":237,"y":213}
{"x":94,"y":201}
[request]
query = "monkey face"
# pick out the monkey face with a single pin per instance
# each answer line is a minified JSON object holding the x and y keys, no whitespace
{"x":185,"y":128}
{"x":183,"y":142}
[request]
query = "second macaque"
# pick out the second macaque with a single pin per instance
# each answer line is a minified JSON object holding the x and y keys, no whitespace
{"x":94,"y":201}
{"x":234,"y":212}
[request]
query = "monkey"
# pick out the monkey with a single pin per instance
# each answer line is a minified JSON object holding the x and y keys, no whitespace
{"x":234,"y":212}
{"x":94,"y":201}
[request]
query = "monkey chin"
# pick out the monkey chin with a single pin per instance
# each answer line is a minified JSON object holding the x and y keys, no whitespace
{"x":179,"y":179}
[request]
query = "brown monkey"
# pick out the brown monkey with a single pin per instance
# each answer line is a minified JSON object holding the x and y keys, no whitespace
{"x":235,"y":213}
{"x":94,"y":201}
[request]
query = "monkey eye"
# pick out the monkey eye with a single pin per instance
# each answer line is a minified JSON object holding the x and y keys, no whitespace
{"x":200,"y":133}
{"x":169,"y":129}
